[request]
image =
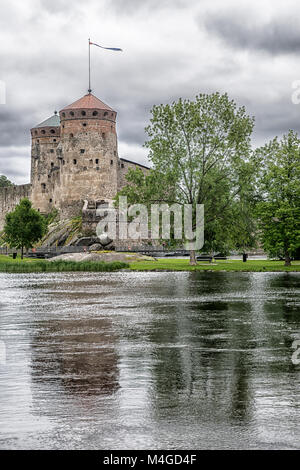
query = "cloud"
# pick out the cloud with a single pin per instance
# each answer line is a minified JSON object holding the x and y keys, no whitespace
{"x":171,"y":49}
{"x":245,"y":29}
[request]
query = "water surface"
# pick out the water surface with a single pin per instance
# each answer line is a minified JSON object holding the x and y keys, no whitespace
{"x":149,"y":360}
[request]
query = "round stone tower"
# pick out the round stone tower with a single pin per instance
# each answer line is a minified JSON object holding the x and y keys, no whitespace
{"x":45,"y":139}
{"x":88,"y":151}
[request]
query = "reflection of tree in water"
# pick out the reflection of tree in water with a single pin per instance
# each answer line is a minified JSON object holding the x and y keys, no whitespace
{"x":203,"y":355}
{"x":75,"y":356}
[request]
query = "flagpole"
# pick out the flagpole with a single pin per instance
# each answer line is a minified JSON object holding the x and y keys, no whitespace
{"x":89,"y":90}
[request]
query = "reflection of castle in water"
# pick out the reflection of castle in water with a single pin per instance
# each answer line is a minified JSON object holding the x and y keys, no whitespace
{"x":76,"y":357}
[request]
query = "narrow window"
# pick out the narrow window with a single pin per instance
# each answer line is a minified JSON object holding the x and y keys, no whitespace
{"x":50,"y":200}
{"x":115,"y":153}
{"x":71,"y":135}
{"x":71,"y":113}
{"x":52,"y":131}
{"x":97,"y":161}
{"x":51,"y":151}
{"x":95,"y":113}
{"x":52,"y":164}
{"x":43,"y":132}
{"x":82,"y":150}
{"x":122,"y":165}
{"x":75,"y":161}
{"x":84,"y":124}
{"x":63,"y":114}
{"x":103,"y":135}
{"x":106,"y":113}
{"x":83,"y":113}
{"x":43,"y":185}
{"x":111,"y":162}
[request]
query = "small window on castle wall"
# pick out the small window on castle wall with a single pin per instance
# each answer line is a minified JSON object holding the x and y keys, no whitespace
{"x":35,"y":132}
{"x":72,"y":113}
{"x":122,"y":165}
{"x":52,"y":131}
{"x":50,"y":200}
{"x":97,"y":161}
{"x":106,"y":113}
{"x":52,"y":164}
{"x":64,"y":162}
{"x":63,"y":114}
{"x":103,"y":135}
{"x":71,"y":135}
{"x":115,"y":153}
{"x":75,"y":161}
{"x":43,"y":132}
{"x":84,"y":124}
{"x":111,"y":162}
{"x":51,"y":151}
{"x":82,"y":150}
{"x":95,"y":113}
{"x":83,"y":113}
{"x":54,"y":140}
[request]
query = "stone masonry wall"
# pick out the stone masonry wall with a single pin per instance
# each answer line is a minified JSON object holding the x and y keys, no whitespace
{"x":10,"y":197}
{"x":124,"y":167}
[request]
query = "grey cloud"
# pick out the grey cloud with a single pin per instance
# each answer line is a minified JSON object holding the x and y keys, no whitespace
{"x":131,"y":7}
{"x":245,"y":30}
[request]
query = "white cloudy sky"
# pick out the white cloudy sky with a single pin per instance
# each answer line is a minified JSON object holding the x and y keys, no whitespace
{"x":172,"y":49}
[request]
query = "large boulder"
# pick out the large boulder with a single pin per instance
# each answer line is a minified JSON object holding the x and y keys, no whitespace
{"x":95,"y":247}
{"x":104,"y":239}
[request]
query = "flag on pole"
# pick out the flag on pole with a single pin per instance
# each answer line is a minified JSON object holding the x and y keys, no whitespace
{"x":102,"y":47}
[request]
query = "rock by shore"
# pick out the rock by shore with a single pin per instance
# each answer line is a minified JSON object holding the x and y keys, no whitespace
{"x":103,"y":256}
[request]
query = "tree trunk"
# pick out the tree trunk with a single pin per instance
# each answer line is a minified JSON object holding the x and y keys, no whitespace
{"x":193,"y":261}
{"x":22,"y":252}
{"x":287,"y":259}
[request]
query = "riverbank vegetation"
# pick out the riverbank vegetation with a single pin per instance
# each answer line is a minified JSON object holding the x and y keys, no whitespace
{"x":224,"y":265}
{"x":28,"y":265}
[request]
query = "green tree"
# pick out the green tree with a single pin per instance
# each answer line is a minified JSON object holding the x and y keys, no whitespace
{"x":278,"y":209}
{"x":24,"y":226}
{"x":201,"y":154}
{"x":4,"y":182}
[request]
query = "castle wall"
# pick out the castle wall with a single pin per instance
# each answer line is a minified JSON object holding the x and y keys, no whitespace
{"x":73,"y":162}
{"x":44,"y":163}
{"x":89,"y":169}
{"x":125,"y":165}
{"x":10,"y":197}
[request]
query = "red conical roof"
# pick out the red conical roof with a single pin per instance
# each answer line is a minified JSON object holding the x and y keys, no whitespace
{"x":86,"y":102}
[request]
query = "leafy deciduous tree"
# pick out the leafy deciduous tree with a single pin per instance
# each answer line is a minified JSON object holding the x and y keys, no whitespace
{"x":278,"y":210}
{"x":24,"y":226}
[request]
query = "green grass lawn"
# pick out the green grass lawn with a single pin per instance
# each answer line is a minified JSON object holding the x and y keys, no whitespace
{"x":29,"y":265}
{"x":226,"y":265}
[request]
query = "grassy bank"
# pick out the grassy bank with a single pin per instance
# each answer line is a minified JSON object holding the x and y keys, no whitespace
{"x":227,"y":265}
{"x":8,"y":265}
{"x":28,"y":265}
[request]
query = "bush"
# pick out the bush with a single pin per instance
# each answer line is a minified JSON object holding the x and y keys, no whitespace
{"x":61,"y":266}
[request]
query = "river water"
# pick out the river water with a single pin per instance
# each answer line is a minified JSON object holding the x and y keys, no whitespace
{"x":149,"y":360}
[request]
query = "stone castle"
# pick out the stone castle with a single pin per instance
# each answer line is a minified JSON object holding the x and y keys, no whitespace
{"x":74,"y":161}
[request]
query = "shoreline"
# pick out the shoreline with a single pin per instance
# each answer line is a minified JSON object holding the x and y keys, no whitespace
{"x":29,"y":265}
